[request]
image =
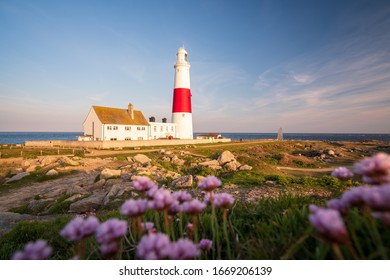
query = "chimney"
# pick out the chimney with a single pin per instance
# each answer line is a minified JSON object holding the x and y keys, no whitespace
{"x":152,"y":119}
{"x":130,"y":109}
{"x":164,"y":120}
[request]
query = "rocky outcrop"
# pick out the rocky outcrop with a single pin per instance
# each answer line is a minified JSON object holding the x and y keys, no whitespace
{"x":91,"y":203}
{"x":142,"y":159}
{"x":183,"y":182}
{"x":226,"y":157}
{"x":225,"y":160}
{"x":52,"y":172}
{"x":109,"y":173}
{"x":17,"y":177}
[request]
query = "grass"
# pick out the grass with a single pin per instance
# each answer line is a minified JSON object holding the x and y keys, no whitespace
{"x":13,"y":151}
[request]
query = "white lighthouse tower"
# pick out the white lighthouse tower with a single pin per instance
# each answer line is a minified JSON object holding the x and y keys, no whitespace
{"x":181,"y":108}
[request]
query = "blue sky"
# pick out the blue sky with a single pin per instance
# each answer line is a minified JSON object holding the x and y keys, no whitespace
{"x":306,"y":66}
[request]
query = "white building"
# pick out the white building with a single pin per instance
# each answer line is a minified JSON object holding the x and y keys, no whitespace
{"x":110,"y":124}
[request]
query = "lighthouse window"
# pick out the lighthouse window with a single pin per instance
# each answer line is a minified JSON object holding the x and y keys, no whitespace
{"x":186,"y":57}
{"x":155,"y":128}
{"x":183,"y":115}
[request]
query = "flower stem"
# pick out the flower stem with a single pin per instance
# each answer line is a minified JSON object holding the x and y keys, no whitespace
{"x":337,"y":251}
{"x":226,"y":233}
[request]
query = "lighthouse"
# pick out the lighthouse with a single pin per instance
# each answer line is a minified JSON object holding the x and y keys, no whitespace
{"x":181,"y":108}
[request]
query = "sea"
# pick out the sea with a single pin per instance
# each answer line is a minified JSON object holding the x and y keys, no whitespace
{"x":21,"y":137}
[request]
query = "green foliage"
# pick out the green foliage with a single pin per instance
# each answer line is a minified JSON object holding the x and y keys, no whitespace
{"x":25,"y":232}
{"x":60,"y":206}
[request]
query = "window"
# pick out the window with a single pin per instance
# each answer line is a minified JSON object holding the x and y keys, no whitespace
{"x":155,"y":128}
{"x":113,"y":139}
{"x":109,"y":127}
{"x":127,"y":139}
{"x":115,"y":128}
{"x":172,"y":128}
{"x":140,"y":138}
{"x":127,"y":127}
{"x":161,"y":129}
{"x":183,"y":115}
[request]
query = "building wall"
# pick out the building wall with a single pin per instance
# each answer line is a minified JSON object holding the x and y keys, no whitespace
{"x":93,"y":126}
{"x":161,"y":130}
{"x":120,"y":132}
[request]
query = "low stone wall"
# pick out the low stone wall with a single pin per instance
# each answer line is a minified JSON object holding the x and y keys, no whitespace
{"x":120,"y":144}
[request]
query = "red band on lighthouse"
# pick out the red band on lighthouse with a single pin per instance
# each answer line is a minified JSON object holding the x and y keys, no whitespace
{"x":181,"y":100}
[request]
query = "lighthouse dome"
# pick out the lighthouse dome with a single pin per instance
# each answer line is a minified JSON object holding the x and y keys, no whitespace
{"x":182,"y":50}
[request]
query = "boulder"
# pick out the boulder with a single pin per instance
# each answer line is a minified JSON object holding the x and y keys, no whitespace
{"x":142,"y":159}
{"x":76,"y":190}
{"x":331,"y":153}
{"x":183,"y":182}
{"x":245,"y":167}
{"x":199,"y":178}
{"x":178,"y":161}
{"x":130,"y":159}
{"x":99,"y":184}
{"x":31,"y":168}
{"x":108,"y":173}
{"x":226,"y":157}
{"x":88,"y":204}
{"x":16,"y":170}
{"x":74,"y":197}
{"x":52,"y":172}
{"x":47,"y":160}
{"x":111,"y":194}
{"x":167,"y":159}
{"x":17,"y":177}
{"x":210,"y":163}
{"x":38,"y":205}
{"x":231,"y":166}
{"x":67,"y":161}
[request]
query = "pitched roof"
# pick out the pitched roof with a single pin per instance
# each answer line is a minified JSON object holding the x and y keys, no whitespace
{"x":119,"y":116}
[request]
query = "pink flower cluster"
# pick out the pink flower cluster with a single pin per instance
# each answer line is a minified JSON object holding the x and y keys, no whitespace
{"x":134,"y":207}
{"x":158,"y":246}
{"x":375,"y":170}
{"x":38,"y":250}
{"x":79,"y":228}
{"x":210,"y":183}
{"x":108,"y":234}
{"x":328,"y":223}
{"x":143,"y":184}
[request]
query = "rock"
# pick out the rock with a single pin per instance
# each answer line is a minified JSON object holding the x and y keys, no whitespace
{"x":47,"y":160}
{"x":88,"y":204}
{"x":210,"y":163}
{"x":142,"y":159}
{"x":178,"y":161}
{"x":26,"y":163}
{"x":76,"y":190}
{"x":226,"y":157}
{"x":38,"y":205}
{"x":16,"y":170}
{"x":215,"y":167}
{"x":182,"y":182}
{"x":231,"y":166}
{"x":108,"y":173}
{"x":173,"y":175}
{"x":99,"y":184}
{"x":331,"y":152}
{"x":322,"y":156}
{"x":167,"y":159}
{"x":245,"y":167}
{"x":17,"y":177}
{"x":74,"y":197}
{"x":130,"y":159}
{"x":269,"y":182}
{"x":111,"y":194}
{"x":31,"y":168}
{"x":67,"y":161}
{"x":199,"y":178}
{"x":162,"y":151}
{"x":52,"y":172}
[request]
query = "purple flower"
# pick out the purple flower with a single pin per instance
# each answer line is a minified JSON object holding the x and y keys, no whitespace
{"x":329,"y":224}
{"x":190,"y":227}
{"x":148,"y":226}
{"x":162,"y":199}
{"x":193,"y":207}
{"x":143,"y":184}
{"x":209,"y":183}
{"x":38,"y":250}
{"x":175,"y":208}
{"x":206,"y":198}
{"x":205,"y":244}
{"x":134,"y":207}
{"x":183,"y":249}
{"x":378,"y":198}
{"x":375,"y":170}
{"x":342,"y":173}
{"x":110,"y":231}
{"x":337,"y":204}
{"x":182,"y":196}
{"x":154,"y":247}
{"x":78,"y":228}
{"x":150,"y":193}
{"x":223,"y":200}
{"x":354,"y":196}
{"x":109,"y":249}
